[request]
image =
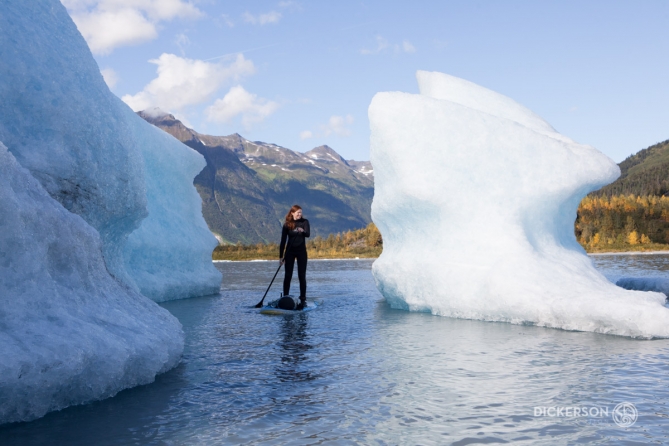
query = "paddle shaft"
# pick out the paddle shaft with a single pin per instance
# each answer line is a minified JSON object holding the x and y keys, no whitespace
{"x":259,"y":304}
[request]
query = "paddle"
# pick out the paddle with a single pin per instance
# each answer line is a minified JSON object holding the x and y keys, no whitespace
{"x":259,"y":304}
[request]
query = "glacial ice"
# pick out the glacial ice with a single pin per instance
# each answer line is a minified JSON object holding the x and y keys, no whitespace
{"x":100,"y":160}
{"x":659,"y":284}
{"x":61,"y":123}
{"x":70,"y":333}
{"x":476,"y":197}
{"x":95,"y":206}
{"x":169,"y":255}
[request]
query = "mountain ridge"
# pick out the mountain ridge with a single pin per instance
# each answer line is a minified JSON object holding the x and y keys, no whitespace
{"x":248,"y":186}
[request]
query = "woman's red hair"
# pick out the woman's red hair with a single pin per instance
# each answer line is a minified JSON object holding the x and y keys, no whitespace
{"x":290,"y":221}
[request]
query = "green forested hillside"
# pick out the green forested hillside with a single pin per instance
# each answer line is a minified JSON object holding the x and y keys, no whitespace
{"x":642,"y":174}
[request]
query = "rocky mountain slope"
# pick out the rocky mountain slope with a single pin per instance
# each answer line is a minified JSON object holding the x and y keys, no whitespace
{"x":248,"y":186}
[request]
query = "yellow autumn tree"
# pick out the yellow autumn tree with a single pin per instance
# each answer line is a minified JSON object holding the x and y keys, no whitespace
{"x":595,"y":240}
{"x":633,"y":238}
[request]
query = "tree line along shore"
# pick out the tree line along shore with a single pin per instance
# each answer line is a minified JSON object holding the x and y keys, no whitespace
{"x":623,"y":223}
{"x":618,"y":223}
{"x":363,"y":243}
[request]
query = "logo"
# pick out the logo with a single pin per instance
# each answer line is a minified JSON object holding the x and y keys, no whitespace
{"x":625,"y":414}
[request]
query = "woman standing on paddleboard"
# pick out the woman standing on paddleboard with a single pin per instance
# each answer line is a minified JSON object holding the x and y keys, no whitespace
{"x":295,"y":231}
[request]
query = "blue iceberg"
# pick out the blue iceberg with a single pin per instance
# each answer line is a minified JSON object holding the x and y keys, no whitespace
{"x":97,"y":212}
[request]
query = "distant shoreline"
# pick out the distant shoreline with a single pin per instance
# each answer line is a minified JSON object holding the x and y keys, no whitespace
{"x":627,"y":253}
{"x":610,"y":253}
{"x":311,"y":260}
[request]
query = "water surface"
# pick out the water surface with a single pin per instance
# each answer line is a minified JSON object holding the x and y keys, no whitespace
{"x":354,"y":371}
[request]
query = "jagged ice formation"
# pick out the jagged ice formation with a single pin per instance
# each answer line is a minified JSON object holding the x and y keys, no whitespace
{"x":95,"y":206}
{"x":69,"y":331}
{"x":476,"y":198}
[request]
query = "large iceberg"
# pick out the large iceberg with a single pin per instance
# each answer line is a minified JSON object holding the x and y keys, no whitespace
{"x":98,"y":159}
{"x":69,"y":332}
{"x":96,"y":205}
{"x":476,"y":198}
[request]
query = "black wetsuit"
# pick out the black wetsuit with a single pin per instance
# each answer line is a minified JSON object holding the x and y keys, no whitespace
{"x":296,"y":248}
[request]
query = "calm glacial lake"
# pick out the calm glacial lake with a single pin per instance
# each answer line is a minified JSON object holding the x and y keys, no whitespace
{"x":354,"y":371}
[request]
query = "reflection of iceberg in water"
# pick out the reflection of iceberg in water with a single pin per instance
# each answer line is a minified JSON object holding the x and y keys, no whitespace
{"x":476,"y":197}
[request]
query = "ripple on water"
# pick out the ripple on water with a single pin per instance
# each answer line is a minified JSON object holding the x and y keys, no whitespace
{"x":356,"y":371}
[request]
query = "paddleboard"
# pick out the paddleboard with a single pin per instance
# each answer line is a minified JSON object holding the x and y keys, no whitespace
{"x":271,"y":309}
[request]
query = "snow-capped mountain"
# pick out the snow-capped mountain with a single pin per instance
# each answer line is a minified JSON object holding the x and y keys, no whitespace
{"x":248,"y":186}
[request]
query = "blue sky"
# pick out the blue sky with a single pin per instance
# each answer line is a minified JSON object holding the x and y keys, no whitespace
{"x":301,"y":74}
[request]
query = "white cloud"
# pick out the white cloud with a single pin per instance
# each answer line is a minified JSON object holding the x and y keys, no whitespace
{"x":155,"y":112}
{"x":239,"y":102}
{"x":337,"y":125}
{"x":109,"y":24}
{"x":182,"y":82}
{"x":107,"y":30}
{"x":110,"y":76}
{"x":262,"y":19}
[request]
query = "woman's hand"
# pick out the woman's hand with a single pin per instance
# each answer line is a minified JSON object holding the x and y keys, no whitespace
{"x":281,"y":262}
{"x":300,"y":230}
